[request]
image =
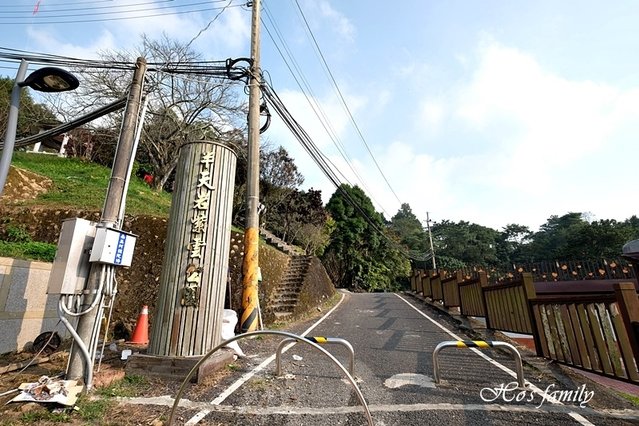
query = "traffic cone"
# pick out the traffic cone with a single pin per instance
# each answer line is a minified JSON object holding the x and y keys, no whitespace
{"x":141,"y":332}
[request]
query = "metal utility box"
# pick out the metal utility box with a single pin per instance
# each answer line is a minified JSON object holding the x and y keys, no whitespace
{"x":71,"y":266}
{"x":113,"y":246}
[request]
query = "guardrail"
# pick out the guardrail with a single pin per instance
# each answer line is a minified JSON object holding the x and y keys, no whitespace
{"x":320,"y":341}
{"x":481,"y":345}
{"x":291,"y":336}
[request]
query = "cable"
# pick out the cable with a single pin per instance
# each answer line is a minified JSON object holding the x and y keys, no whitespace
{"x":78,"y":21}
{"x":208,"y":25}
{"x":315,"y":106}
{"x":322,"y":161}
{"x":46,"y":10}
{"x":117,"y":12}
{"x":339,"y":92}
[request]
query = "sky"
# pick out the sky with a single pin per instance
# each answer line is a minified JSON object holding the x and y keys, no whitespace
{"x":491,"y":112}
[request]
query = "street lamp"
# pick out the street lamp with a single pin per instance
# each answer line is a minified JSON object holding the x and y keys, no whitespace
{"x":47,"y":79}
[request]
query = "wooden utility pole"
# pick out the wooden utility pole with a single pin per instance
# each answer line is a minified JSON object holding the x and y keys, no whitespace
{"x":114,"y":198}
{"x":250,"y":301}
{"x":430,"y":237}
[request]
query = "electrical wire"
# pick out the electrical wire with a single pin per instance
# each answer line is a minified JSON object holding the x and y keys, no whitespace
{"x":45,"y":10}
{"x":341,"y":97}
{"x":314,"y":104}
{"x":323,"y":163}
{"x":209,"y":24}
{"x":79,"y":21}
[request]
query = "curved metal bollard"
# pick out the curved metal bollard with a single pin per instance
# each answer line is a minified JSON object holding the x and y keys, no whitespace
{"x":319,"y":340}
{"x":481,"y":345}
{"x":292,"y":336}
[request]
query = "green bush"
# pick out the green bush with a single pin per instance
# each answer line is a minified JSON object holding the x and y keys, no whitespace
{"x":31,"y":250}
{"x":17,"y":234}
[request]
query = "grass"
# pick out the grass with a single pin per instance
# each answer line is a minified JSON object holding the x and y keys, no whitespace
{"x":32,"y":250}
{"x":631,"y":398}
{"x":127,"y":387}
{"x":83,"y":185}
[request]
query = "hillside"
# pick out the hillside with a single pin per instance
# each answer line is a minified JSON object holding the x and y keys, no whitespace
{"x":54,"y":182}
{"x":45,"y":190}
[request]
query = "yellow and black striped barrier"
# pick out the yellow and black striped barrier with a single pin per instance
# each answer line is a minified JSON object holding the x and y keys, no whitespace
{"x":482,"y":344}
{"x":320,"y":340}
{"x":479,"y":344}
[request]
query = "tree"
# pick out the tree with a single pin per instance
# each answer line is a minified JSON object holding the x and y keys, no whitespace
{"x":465,"y":242}
{"x":32,"y":117}
{"x":409,"y":230}
{"x":361,"y":254}
{"x":180,"y":108}
{"x":279,"y":179}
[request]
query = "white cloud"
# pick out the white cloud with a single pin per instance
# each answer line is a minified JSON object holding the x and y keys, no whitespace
{"x":342,"y":25}
{"x":548,"y":145}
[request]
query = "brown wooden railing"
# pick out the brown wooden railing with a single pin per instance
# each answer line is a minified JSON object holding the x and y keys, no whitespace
{"x":471,"y":298}
{"x":589,"y":324}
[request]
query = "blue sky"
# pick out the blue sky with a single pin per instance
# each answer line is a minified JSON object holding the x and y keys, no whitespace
{"x":493,"y":112}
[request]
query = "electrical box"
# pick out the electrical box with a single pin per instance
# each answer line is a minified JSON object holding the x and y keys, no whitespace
{"x":71,"y":266}
{"x":113,"y":246}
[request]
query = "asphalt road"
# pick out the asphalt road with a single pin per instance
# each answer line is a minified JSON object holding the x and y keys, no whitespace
{"x":393,"y":337}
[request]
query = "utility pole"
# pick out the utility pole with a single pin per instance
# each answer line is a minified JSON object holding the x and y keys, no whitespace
{"x":250,"y":300}
{"x":430,"y":237}
{"x":110,"y":212}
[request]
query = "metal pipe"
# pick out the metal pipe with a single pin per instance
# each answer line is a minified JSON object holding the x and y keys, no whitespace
{"x":88,"y":373}
{"x":195,"y":368}
{"x":318,"y":340}
{"x":481,"y":345}
{"x":12,"y":125}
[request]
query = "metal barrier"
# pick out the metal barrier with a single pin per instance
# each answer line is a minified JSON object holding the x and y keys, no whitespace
{"x":291,"y":336}
{"x":481,"y":345}
{"x":318,"y":340}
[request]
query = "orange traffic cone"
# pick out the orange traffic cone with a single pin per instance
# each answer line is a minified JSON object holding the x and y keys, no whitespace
{"x":141,"y":332}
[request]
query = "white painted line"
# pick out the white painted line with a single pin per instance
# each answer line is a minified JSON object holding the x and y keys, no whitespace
{"x":247,"y":376}
{"x":579,"y":418}
{"x":167,"y":401}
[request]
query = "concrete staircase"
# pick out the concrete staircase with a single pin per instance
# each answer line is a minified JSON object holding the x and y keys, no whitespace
{"x":289,"y":249}
{"x":287,"y":294}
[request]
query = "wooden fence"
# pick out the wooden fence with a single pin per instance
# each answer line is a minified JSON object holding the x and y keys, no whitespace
{"x":588,"y":324}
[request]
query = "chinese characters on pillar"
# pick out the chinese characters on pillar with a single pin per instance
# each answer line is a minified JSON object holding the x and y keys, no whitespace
{"x":199,"y":222}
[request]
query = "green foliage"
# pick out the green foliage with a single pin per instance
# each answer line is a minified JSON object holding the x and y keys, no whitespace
{"x":17,"y":234}
{"x":465,"y":242}
{"x":571,"y":237}
{"x":358,"y":255}
{"x":32,"y":117}
{"x":18,"y":244}
{"x":409,"y":230}
{"x":83,"y":185}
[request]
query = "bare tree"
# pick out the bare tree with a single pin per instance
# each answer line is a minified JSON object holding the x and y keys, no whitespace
{"x":181,"y":108}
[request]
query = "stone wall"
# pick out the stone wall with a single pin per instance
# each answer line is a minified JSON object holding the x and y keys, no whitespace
{"x":138,"y":285}
{"x":25,"y":308}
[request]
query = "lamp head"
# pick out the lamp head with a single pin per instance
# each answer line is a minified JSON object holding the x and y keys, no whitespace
{"x":51,"y":79}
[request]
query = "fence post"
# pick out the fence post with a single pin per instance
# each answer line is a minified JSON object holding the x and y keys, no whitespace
{"x":628,"y":303}
{"x":483,"y":283}
{"x":531,"y":293}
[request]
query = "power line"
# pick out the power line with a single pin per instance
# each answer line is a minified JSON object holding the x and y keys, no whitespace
{"x":314,"y":104}
{"x":341,"y":97}
{"x":36,"y":21}
{"x":62,"y":4}
{"x":44,"y":9}
{"x":322,"y":162}
{"x":209,"y":24}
